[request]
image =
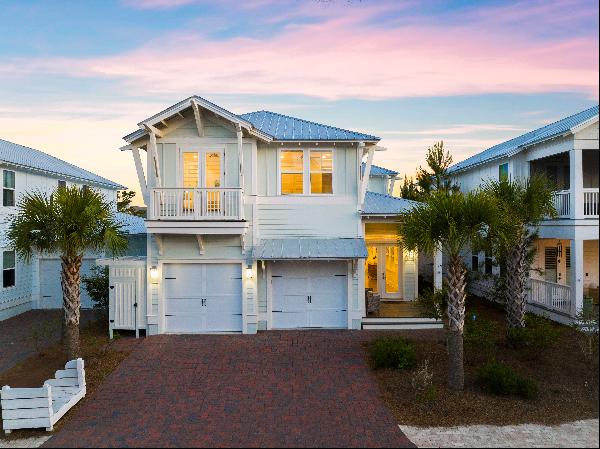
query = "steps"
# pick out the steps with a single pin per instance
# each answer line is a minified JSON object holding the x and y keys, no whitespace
{"x":401,"y":323}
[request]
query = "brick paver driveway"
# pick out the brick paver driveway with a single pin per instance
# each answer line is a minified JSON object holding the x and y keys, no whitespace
{"x":306,"y":388}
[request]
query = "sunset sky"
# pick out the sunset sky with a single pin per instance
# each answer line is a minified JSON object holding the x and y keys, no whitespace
{"x":76,"y":76}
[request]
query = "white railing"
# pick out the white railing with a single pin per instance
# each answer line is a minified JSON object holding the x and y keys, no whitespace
{"x":590,"y":203}
{"x":550,"y":295}
{"x":196,"y":204}
{"x":562,"y":203}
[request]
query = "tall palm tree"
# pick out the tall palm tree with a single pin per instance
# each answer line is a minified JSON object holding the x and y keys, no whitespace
{"x":521,"y":206}
{"x":70,"y":221}
{"x":455,"y":222}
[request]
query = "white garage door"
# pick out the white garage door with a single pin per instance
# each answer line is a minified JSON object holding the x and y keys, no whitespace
{"x":203,"y":297}
{"x":50,"y":288}
{"x":309,"y":294}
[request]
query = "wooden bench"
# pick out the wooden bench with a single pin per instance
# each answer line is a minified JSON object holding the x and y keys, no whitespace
{"x":30,"y":408}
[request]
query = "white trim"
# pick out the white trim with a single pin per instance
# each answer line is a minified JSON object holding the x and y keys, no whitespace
{"x":140,"y":174}
{"x":198,"y":118}
{"x":365,"y":176}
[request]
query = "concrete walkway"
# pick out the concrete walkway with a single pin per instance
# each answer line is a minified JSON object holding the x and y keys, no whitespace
{"x":576,"y":434}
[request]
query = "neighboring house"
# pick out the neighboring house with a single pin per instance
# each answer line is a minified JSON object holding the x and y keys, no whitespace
{"x":565,"y":268}
{"x":36,"y":285}
{"x":254,"y":222}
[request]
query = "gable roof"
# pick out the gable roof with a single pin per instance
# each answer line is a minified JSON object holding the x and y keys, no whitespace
{"x":514,"y":146}
{"x":264,"y":124}
{"x":376,"y":170}
{"x":284,"y":127}
{"x":29,"y":158}
{"x":381,"y":204}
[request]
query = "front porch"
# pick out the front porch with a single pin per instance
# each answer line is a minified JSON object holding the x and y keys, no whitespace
{"x":561,"y":279}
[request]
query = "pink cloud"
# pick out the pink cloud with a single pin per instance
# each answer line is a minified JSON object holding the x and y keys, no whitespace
{"x":343,"y":56}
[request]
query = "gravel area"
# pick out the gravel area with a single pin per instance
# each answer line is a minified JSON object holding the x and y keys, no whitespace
{"x":24,"y":442}
{"x":575,"y":434}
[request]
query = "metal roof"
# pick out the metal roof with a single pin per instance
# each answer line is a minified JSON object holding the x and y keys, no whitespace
{"x":284,"y":127}
{"x":513,"y":146}
{"x":29,"y":158}
{"x":376,"y":170}
{"x":381,"y":204}
{"x":131,"y":223}
{"x":307,"y":248}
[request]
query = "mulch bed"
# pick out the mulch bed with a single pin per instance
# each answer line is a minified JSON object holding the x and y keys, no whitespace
{"x":101,"y":357}
{"x":567,"y":381}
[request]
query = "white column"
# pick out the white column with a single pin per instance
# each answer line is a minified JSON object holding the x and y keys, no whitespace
{"x":437,"y":269}
{"x":576,"y":183}
{"x":577,"y":274}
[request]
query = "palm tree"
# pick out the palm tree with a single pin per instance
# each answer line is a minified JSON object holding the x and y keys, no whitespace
{"x":455,"y":222}
{"x":521,"y":206}
{"x":70,"y":221}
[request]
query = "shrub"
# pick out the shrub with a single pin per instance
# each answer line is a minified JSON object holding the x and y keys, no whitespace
{"x":96,"y":285}
{"x":586,"y":326}
{"x":502,"y":380}
{"x":433,"y":303}
{"x":479,"y":337}
{"x":422,"y":383}
{"x":537,"y":335}
{"x":393,"y":353}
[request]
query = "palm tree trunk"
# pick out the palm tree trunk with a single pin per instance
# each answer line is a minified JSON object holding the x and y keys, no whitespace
{"x":456,"y":322}
{"x":71,"y":288}
{"x":516,"y":278}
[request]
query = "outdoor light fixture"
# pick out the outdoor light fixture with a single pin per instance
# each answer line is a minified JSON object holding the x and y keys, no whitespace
{"x":410,"y":255}
{"x":249,"y":271}
{"x":154,"y":273}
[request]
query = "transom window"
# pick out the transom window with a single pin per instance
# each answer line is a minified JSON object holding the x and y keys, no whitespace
{"x":8,"y":188}
{"x":8,"y":268}
{"x":306,"y":172}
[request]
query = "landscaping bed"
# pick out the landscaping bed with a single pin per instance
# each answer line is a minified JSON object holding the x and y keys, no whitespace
{"x":566,"y":380}
{"x":101,"y":357}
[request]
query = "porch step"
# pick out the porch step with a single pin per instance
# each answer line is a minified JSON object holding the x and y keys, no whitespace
{"x":401,"y":323}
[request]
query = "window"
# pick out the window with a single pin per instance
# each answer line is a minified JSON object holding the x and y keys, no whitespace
{"x":291,"y":165}
{"x":8,"y":269}
{"x":321,"y":172}
{"x":306,"y":172}
{"x":85,"y":188}
{"x":475,"y":261}
{"x":62,"y":184}
{"x":8,"y":190}
{"x":489,"y":264}
{"x":503,"y":172}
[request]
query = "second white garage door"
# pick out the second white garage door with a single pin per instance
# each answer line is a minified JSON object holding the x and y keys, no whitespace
{"x":203,"y":297}
{"x":309,"y":294}
{"x":51,"y":289}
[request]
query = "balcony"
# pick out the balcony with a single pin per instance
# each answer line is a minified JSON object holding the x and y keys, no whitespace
{"x":590,"y":198}
{"x":196,"y":204}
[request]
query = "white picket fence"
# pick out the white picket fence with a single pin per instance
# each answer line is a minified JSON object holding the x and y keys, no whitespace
{"x":31,"y":408}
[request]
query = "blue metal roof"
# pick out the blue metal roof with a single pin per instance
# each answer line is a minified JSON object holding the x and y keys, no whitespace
{"x":379,"y":171}
{"x":29,"y":158}
{"x":131,"y":223}
{"x":517,"y":144}
{"x":284,"y":127}
{"x":381,"y":204}
{"x":307,"y":248}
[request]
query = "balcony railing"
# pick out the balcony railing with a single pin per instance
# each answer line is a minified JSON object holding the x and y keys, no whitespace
{"x":556,"y":297}
{"x":196,"y":204}
{"x":562,"y":203}
{"x":590,"y":199}
{"x":590,"y":203}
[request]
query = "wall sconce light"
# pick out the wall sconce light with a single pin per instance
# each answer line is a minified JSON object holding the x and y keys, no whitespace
{"x":410,"y":255}
{"x":153,"y":273}
{"x":249,"y":271}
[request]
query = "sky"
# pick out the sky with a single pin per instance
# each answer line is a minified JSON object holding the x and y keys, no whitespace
{"x":76,"y":76}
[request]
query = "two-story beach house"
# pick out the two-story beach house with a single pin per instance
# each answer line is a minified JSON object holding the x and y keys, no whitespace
{"x":257,"y":221}
{"x":36,"y":285}
{"x":565,"y":269}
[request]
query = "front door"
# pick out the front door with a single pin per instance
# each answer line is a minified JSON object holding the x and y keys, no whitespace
{"x":382,"y":270}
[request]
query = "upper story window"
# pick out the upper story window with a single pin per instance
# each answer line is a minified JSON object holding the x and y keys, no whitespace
{"x":62,"y":184}
{"x":306,"y":172}
{"x":8,"y":188}
{"x":8,"y":268}
{"x":503,"y":172}
{"x":85,"y":187}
